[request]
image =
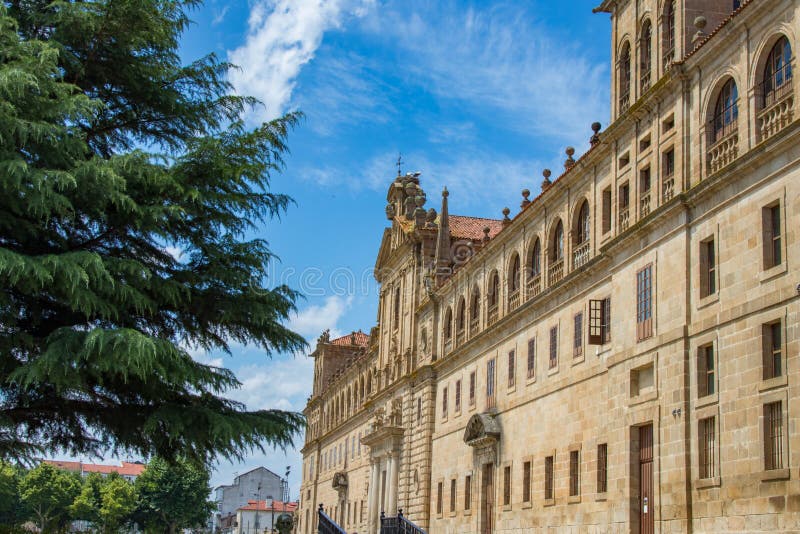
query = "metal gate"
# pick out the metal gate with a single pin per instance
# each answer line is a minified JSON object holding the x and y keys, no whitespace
{"x":646,"y":504}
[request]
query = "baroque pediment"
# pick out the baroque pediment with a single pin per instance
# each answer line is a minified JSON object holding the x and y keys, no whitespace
{"x":482,"y":429}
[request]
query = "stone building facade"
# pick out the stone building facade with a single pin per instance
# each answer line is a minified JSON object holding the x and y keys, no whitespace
{"x":616,"y":356}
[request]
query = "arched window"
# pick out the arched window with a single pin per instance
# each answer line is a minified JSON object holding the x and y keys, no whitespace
{"x":448,"y":324}
{"x":726,"y":111}
{"x":557,"y":246}
{"x":494,"y":290}
{"x":513,"y":275}
{"x":474,"y":308}
{"x":396,"y":317}
{"x":668,"y":33}
{"x":777,"y":73}
{"x":535,"y":259}
{"x":645,"y":53}
{"x":461,"y":315}
{"x":583,"y":224}
{"x":624,"y":73}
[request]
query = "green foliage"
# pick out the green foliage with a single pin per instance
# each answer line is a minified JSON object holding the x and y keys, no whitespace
{"x":117,"y":503}
{"x":10,"y":503}
{"x":86,"y":506}
{"x":112,"y":152}
{"x":47,"y":494}
{"x":173,"y":496}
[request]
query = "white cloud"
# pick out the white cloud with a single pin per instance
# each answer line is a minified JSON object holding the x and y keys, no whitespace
{"x":282,"y":36}
{"x":220,"y":16}
{"x":312,"y":320}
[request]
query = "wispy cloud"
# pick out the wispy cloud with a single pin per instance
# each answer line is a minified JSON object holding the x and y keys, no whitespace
{"x":283,"y":36}
{"x":219,"y":17}
{"x":312,"y":320}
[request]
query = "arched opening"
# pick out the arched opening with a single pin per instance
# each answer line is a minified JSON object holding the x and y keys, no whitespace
{"x":514,"y":282}
{"x":461,"y":317}
{"x":624,"y":77}
{"x":581,"y":231}
{"x":645,"y":56}
{"x":474,"y":310}
{"x":448,"y":324}
{"x":534,"y":268}
{"x":492,"y":298}
{"x":668,"y":34}
{"x":776,"y":98}
{"x":556,"y":255}
{"x":723,"y":127}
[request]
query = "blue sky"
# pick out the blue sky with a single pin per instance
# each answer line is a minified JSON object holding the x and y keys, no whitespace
{"x":478,"y":96}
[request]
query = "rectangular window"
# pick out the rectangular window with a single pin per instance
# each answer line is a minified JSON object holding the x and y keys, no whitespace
{"x":600,"y":321}
{"x":512,"y":367}
{"x":553,"y":347}
{"x":526,"y":482}
{"x":773,"y":436}
{"x":624,"y":196}
{"x":472,"y":388}
{"x":706,"y":385}
{"x":602,"y":468}
{"x":574,"y":473}
{"x":548,"y":478}
{"x":490,"y":383}
{"x":532,"y":357}
{"x":668,"y":164}
{"x":771,"y":221}
{"x":644,"y":180}
{"x":644,"y":303}
{"x":439,"y":496}
{"x":507,"y":485}
{"x":468,"y":492}
{"x":444,"y":402}
{"x":452,"y":495}
{"x":419,"y":410}
{"x":458,"y":395}
{"x":708,"y":268}
{"x":606,"y":210}
{"x":577,"y":345}
{"x":706,"y":432}
{"x":772,"y":350}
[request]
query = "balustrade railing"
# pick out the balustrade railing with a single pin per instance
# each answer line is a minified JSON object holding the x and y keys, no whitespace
{"x":778,"y":110}
{"x":448,"y":345}
{"x":723,"y":151}
{"x":491,"y":315}
{"x":398,"y":525}
{"x":534,"y":286}
{"x":460,"y":335}
{"x":624,"y":102}
{"x":645,"y":81}
{"x":326,"y":525}
{"x":668,"y":57}
{"x":644,"y":204}
{"x":668,"y":187}
{"x":474,"y":324}
{"x":555,"y":272}
{"x":513,"y":300}
{"x":624,"y":219}
{"x":580,"y":255}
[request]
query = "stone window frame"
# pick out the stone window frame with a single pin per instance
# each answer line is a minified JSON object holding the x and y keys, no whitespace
{"x":551,"y":501}
{"x":438,"y":502}
{"x":700,"y":414}
{"x":637,"y":364}
{"x":704,"y":295}
{"x":530,"y":378}
{"x":452,"y":508}
{"x":458,"y":399}
{"x":552,"y":368}
{"x":694,"y":384}
{"x":506,"y":467}
{"x":600,"y":495}
{"x":777,"y":316}
{"x":579,"y":353}
{"x":511,"y":360}
{"x":783,"y":473}
{"x":468,"y":476}
{"x":445,"y":403}
{"x":770,"y":271}
{"x":572,"y":449}
{"x":531,"y":461}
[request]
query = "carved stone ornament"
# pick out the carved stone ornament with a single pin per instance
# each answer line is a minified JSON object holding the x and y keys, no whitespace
{"x":482,"y":429}
{"x":340,"y":480}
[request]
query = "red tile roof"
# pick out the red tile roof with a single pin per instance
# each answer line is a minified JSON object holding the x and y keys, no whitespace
{"x":125,"y":469}
{"x":261,"y":506}
{"x":356,"y":338}
{"x":471,"y":228}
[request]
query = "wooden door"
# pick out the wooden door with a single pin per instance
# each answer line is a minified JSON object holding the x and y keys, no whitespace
{"x":487,"y":499}
{"x":646,"y":504}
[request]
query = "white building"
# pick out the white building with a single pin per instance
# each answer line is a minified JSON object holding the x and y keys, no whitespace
{"x":256,"y":485}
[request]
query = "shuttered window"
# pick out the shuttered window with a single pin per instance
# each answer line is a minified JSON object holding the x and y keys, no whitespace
{"x":772,"y":350}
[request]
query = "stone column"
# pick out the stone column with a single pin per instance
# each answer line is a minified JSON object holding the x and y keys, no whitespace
{"x":374,"y":495}
{"x":393,"y":475}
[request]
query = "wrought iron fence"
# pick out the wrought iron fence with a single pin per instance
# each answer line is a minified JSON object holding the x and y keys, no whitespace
{"x":398,"y":525}
{"x":326,"y":525}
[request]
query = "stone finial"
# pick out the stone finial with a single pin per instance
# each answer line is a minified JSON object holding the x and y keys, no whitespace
{"x":486,"y":231}
{"x":430,"y":218}
{"x":420,"y":200}
{"x":546,"y":182}
{"x":325,"y":337}
{"x":506,"y":219}
{"x":390,"y":211}
{"x":699,"y":23}
{"x":595,"y":138}
{"x":525,"y":202}
{"x":570,"y":161}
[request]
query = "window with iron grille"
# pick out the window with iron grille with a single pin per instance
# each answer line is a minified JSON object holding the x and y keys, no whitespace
{"x":490,"y":383}
{"x":644,"y":303}
{"x":773,"y":436}
{"x":507,"y":485}
{"x":707,"y":436}
{"x":777,"y":73}
{"x":548,"y":478}
{"x":452,"y":495}
{"x":532,"y":357}
{"x":553,"y":347}
{"x":468,"y":492}
{"x":726,"y":112}
{"x":458,"y":395}
{"x":444,"y":402}
{"x":472,"y":379}
{"x":668,"y":33}
{"x":645,"y":55}
{"x":526,"y":482}
{"x":512,"y":368}
{"x":439,"y":497}
{"x":624,"y":73}
{"x":772,"y":350}
{"x":708,"y":268}
{"x":771,"y":217}
{"x":574,"y":473}
{"x":706,"y":383}
{"x":577,"y":345}
{"x":602,"y":468}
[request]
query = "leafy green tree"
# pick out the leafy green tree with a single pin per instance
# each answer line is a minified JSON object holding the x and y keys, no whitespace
{"x":10,"y":504}
{"x":113,"y":153}
{"x":86,"y":506}
{"x":47,"y":494}
{"x":173,"y":496}
{"x":117,"y":503}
